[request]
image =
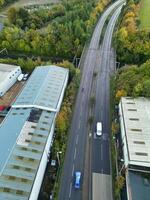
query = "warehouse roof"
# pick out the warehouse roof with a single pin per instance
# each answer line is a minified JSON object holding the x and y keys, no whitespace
{"x":5,"y":69}
{"x":24,"y":134}
{"x":22,"y":152}
{"x":136,"y":119}
{"x":43,"y":94}
{"x":139,"y":185}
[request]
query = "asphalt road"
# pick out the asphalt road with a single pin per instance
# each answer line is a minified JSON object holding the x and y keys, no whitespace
{"x":75,"y":155}
{"x":100,"y":146}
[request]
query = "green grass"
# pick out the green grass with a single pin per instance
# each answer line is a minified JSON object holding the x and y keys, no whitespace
{"x":145,"y":14}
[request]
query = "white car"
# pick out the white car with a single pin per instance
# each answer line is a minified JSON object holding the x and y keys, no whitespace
{"x":99,"y":128}
{"x":25,"y":77}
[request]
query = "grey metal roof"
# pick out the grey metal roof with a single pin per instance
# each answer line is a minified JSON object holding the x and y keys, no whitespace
{"x":24,"y":134}
{"x":18,"y":175}
{"x":9,"y":134}
{"x":5,"y":69}
{"x":139,"y":185}
{"x":43,"y":93}
{"x":136,"y":123}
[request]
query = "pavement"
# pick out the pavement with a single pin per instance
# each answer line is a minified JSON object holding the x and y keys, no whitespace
{"x":79,"y":132}
{"x":100,"y":184}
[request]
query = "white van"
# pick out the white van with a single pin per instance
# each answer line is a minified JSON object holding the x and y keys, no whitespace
{"x":99,"y":128}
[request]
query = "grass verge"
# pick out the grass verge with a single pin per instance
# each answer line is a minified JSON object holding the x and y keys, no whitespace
{"x":145,"y":14}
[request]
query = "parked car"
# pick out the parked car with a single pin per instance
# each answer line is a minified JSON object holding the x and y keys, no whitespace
{"x":77,"y":179}
{"x":25,"y":77}
{"x":20,"y":77}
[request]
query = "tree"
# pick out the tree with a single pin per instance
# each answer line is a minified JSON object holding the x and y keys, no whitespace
{"x":115,"y":128}
{"x":1,"y":2}
{"x":120,"y":181}
{"x":12,"y":15}
{"x":61,"y":122}
{"x":146,"y":88}
{"x":137,"y":91}
{"x":120,"y":93}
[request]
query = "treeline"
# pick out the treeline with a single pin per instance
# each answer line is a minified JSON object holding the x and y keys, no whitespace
{"x":69,"y":26}
{"x":5,"y":2}
{"x":133,"y":43}
{"x":133,"y":81}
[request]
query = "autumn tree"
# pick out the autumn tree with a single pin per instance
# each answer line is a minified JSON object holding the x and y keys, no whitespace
{"x":120,"y":93}
{"x":12,"y":15}
{"x":120,"y":181}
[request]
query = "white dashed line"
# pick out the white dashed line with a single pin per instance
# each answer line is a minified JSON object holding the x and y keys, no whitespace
{"x":77,"y":139}
{"x":101,"y":152}
{"x":74,"y":153}
{"x":73,"y":170}
{"x":79,"y":124}
{"x":70,"y":190}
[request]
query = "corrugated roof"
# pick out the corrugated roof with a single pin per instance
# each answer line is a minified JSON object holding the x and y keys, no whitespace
{"x":136,"y":117}
{"x":43,"y":93}
{"x":24,"y":134}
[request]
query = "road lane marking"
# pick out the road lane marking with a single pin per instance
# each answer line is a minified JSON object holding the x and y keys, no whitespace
{"x":70,"y":190}
{"x":80,"y":113}
{"x":101,"y":152}
{"x":73,"y":170}
{"x":79,"y":124}
{"x":74,"y":153}
{"x":77,"y":139}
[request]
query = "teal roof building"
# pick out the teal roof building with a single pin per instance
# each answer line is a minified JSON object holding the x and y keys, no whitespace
{"x":26,"y":134}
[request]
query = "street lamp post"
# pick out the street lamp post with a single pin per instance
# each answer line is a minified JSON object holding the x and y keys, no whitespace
{"x":122,"y":167}
{"x":58,"y":158}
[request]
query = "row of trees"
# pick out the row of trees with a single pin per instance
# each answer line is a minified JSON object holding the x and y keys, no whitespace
{"x":5,"y":2}
{"x":133,"y":43}
{"x":70,"y":25}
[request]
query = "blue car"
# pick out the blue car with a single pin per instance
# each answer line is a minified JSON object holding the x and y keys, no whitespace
{"x":77,"y":180}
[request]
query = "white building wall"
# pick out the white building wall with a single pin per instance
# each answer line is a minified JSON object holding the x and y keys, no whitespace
{"x":42,"y":167}
{"x":123,"y":137}
{"x":10,"y":80}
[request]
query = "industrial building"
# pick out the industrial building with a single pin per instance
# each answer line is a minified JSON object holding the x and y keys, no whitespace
{"x":8,"y":77}
{"x":26,"y":134}
{"x":134,"y":116}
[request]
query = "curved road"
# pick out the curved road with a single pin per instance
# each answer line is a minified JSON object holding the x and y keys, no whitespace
{"x":101,"y":172}
{"x":75,"y":154}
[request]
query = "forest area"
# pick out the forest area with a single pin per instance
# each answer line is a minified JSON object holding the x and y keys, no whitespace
{"x":133,"y":53}
{"x":59,"y":31}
